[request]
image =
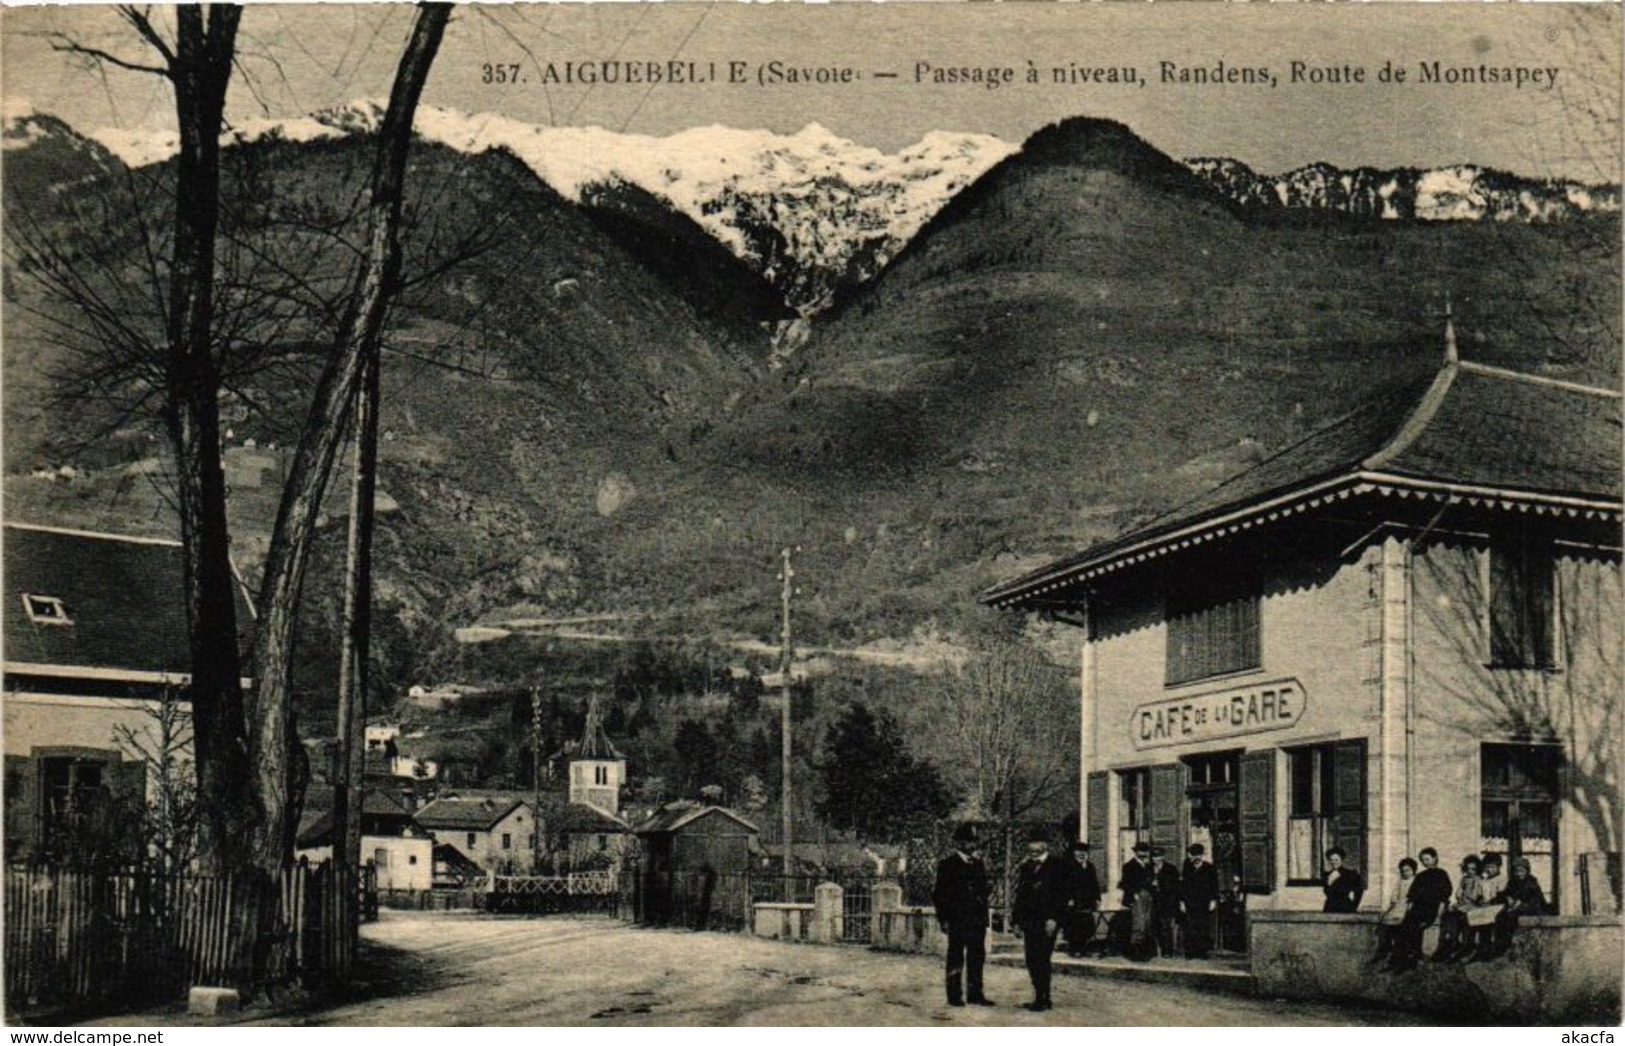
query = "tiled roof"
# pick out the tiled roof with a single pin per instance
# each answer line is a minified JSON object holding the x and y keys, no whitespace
{"x":124,"y":596}
{"x":672,"y":817}
{"x":381,"y":814}
{"x":584,"y":817}
{"x":468,"y":813}
{"x":1469,"y":428}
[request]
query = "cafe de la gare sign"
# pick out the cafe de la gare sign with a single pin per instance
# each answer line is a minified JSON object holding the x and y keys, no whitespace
{"x":1232,"y":712}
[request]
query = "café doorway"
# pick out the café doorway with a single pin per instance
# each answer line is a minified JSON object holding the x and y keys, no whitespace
{"x":1213,"y":797}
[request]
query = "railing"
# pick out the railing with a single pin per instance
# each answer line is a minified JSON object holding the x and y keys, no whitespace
{"x":78,"y":937}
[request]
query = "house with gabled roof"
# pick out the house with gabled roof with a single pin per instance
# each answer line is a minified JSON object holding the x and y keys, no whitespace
{"x":1400,"y":632}
{"x":95,"y":643}
{"x":400,"y":851}
{"x":494,"y":829}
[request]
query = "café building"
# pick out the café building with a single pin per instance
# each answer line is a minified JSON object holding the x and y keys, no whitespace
{"x":1402,"y":631}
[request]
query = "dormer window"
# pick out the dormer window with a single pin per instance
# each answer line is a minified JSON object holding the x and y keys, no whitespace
{"x":46,"y":610}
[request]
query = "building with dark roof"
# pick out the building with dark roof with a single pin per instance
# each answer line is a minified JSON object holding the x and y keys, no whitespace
{"x":400,"y":851}
{"x":496,"y":830}
{"x":1402,"y":631}
{"x":95,"y":644}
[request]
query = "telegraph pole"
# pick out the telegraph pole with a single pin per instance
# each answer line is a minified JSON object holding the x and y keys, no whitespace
{"x":787,"y":575}
{"x":535,"y":779}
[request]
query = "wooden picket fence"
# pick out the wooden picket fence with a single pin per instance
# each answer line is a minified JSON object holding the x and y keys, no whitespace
{"x":87,"y":937}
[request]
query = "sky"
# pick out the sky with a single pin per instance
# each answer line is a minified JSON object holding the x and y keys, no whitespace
{"x":299,"y":58}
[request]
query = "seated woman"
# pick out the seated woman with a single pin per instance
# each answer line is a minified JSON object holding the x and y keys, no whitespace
{"x":1394,"y":914}
{"x":1429,"y":892}
{"x":1522,"y":896}
{"x":1453,"y":935}
{"x":1481,"y":920}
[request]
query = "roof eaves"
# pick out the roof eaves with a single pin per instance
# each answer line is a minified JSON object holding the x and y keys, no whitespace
{"x":1149,"y":543}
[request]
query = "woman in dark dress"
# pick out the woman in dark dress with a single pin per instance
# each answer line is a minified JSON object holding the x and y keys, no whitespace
{"x":1429,"y":893}
{"x":1343,"y":886}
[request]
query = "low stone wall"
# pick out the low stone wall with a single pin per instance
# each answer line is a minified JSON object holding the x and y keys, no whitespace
{"x":909,"y":929}
{"x":783,"y":922}
{"x":893,"y":926}
{"x":1559,"y":969}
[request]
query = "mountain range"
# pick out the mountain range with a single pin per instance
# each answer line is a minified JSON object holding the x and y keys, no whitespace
{"x":592,"y":415}
{"x":816,"y":214}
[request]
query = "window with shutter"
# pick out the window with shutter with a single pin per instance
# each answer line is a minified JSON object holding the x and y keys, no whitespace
{"x":1099,"y":809}
{"x":1134,"y":808}
{"x":1522,"y":606}
{"x":1350,"y":780}
{"x":1258,"y":821}
{"x":1167,"y":807}
{"x":1325,"y":808}
{"x":1212,"y":629}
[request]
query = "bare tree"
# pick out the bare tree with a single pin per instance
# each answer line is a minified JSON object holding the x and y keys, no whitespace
{"x":163,"y":746}
{"x":355,"y":349}
{"x":993,"y":728}
{"x":197,"y":61}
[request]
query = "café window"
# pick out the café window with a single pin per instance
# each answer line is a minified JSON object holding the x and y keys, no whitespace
{"x":1519,"y":796}
{"x":1212,"y":630}
{"x":1133,"y":810}
{"x":1326,"y":807}
{"x":1522,"y":608}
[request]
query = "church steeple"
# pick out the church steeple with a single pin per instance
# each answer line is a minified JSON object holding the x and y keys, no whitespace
{"x":596,"y":768}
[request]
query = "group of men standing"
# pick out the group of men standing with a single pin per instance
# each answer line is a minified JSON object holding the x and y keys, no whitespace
{"x":1157,"y":897}
{"x":1060,"y":892}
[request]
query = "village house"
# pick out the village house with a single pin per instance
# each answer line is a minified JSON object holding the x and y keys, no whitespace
{"x":1400,"y":632}
{"x":96,"y":646}
{"x":400,"y":851}
{"x":495,"y":830}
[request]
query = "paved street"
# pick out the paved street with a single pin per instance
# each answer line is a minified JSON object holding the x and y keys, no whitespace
{"x":459,"y":969}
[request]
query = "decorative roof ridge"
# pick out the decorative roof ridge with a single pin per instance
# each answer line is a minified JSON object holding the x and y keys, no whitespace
{"x":1417,"y":421}
{"x":1489,"y":371}
{"x":128,"y":539}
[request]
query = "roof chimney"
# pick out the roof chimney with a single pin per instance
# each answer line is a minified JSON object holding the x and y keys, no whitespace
{"x":1451,"y":356}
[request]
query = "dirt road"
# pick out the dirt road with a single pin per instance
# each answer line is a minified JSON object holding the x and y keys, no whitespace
{"x":456,"y":969}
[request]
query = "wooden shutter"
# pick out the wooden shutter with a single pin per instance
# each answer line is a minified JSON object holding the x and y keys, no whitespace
{"x":1168,"y":807}
{"x":1099,"y":807}
{"x":127,"y":781}
{"x":1258,"y":821}
{"x":1348,"y":791}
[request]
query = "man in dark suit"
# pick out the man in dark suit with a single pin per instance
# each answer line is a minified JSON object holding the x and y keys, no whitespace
{"x":961,"y":897}
{"x":1137,"y":886}
{"x":1198,"y":900}
{"x":1165,"y":899}
{"x":1043,"y":897}
{"x":1080,"y":923}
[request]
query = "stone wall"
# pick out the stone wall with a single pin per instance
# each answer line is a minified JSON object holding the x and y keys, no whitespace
{"x":1559,"y":970}
{"x":893,"y":926}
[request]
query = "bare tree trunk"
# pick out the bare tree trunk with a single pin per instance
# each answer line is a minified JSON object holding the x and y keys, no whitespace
{"x":271,"y":734}
{"x":348,"y":806}
{"x":200,"y":69}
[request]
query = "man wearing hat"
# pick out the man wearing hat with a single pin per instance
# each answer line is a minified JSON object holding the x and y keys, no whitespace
{"x":1137,"y":885}
{"x":1043,"y":898}
{"x":1165,"y":898}
{"x":961,"y":896}
{"x":1080,"y":923}
{"x":1198,"y":900}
